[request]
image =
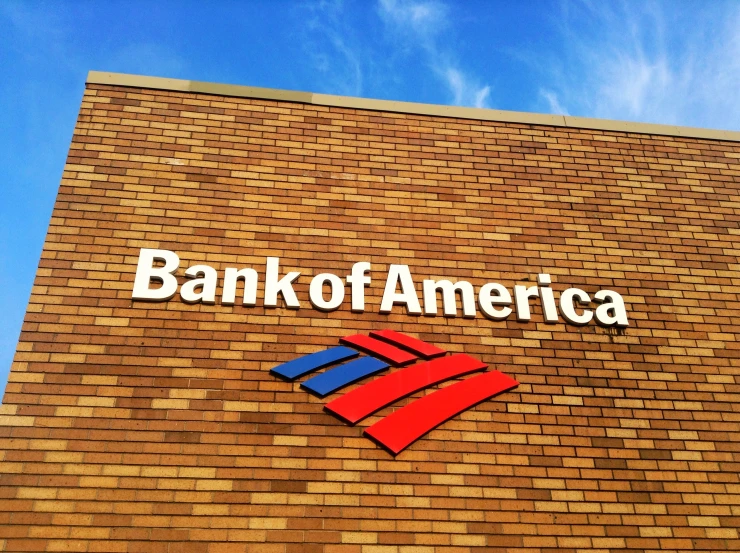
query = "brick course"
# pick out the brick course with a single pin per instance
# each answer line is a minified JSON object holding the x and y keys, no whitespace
{"x":155,"y":427}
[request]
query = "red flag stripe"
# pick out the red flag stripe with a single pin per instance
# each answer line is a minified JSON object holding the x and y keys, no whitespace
{"x":419,"y":347}
{"x":400,"y":429}
{"x":361,"y":402}
{"x":380,"y":349}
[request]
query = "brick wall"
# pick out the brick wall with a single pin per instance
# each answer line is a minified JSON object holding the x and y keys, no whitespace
{"x":156,"y":427}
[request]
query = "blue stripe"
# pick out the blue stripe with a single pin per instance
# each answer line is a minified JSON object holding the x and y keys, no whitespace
{"x":343,"y":375}
{"x":313,"y":362}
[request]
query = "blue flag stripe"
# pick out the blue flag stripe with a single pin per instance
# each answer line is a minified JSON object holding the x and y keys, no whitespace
{"x":344,"y":375}
{"x":313,"y":362}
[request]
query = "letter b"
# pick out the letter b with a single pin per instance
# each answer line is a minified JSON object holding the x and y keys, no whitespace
{"x":146,"y":272}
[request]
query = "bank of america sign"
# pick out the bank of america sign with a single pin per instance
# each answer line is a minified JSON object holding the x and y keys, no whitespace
{"x":494,"y":300}
{"x":417,"y":364}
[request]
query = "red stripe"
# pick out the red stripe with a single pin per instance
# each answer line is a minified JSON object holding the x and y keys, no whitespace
{"x":419,"y":347}
{"x":360,"y":402}
{"x":385,"y":351}
{"x":401,"y":428}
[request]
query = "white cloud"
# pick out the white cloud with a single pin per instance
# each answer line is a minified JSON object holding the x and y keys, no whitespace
{"x":553,"y":102}
{"x":481,"y":97}
{"x":328,"y":41}
{"x":421,"y":25}
{"x":638,"y":62}
{"x":465,"y":92}
{"x":423,"y":18}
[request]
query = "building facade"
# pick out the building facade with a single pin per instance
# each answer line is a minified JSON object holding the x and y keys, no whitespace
{"x":157,"y":424}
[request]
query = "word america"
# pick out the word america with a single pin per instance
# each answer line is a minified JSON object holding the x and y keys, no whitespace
{"x":494,"y":300}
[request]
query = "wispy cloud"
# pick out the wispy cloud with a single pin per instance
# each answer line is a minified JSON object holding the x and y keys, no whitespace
{"x":424,"y":19}
{"x":465,"y":91}
{"x":553,"y":102}
{"x":639,"y":62}
{"x":328,"y":40}
{"x":422,"y":25}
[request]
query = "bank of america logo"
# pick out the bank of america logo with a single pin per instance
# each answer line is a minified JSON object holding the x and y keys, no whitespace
{"x":424,"y":365}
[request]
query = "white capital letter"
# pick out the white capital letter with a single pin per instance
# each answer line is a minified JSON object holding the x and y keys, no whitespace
{"x":400,"y":274}
{"x":567,"y":308}
{"x":146,"y":272}
{"x":273,"y":286}
{"x":358,"y":280}
{"x":316,"y":292}
{"x":611,"y":311}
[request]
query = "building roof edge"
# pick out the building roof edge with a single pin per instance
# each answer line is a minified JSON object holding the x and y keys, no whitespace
{"x":481,"y":114}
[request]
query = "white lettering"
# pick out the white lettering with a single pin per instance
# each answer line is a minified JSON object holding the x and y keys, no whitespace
{"x":316,"y":292}
{"x":521,"y":299}
{"x":146,"y":272}
{"x":486,"y":301}
{"x":567,"y":307}
{"x":449,"y":302}
{"x":400,"y":274}
{"x":284,"y":286}
{"x":228,"y":297}
{"x":611,"y":312}
{"x":549,"y":309}
{"x":203,"y":277}
{"x":494,"y":299}
{"x":358,"y":280}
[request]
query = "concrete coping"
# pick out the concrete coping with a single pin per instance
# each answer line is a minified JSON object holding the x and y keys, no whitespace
{"x":480,"y":114}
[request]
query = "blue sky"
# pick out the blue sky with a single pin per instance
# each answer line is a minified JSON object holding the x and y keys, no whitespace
{"x":674,"y":62}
